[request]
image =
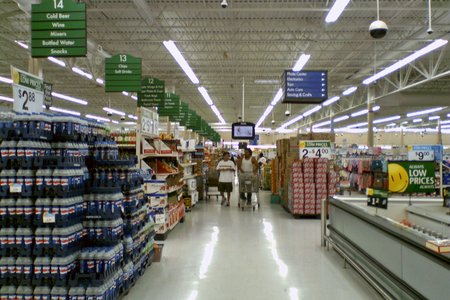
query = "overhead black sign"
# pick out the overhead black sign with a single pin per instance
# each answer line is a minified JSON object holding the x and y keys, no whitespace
{"x":308,"y":87}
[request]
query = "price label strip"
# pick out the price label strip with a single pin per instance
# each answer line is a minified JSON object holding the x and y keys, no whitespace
{"x":420,"y":153}
{"x":315,"y":149}
{"x":28,"y":92}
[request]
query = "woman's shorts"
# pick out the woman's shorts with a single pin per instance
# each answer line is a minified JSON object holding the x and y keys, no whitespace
{"x":225,"y":187}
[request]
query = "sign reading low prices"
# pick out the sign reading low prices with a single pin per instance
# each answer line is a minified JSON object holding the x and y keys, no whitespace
{"x":28,"y":92}
{"x":123,"y":73}
{"x":58,"y":29}
{"x":377,"y":198}
{"x":425,"y":152}
{"x":411,"y":177}
{"x":315,"y":149}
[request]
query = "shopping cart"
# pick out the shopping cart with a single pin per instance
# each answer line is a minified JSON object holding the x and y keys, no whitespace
{"x":248,"y":183}
{"x":212,"y":184}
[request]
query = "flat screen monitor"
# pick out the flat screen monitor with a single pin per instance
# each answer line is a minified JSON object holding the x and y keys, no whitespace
{"x":243,"y":131}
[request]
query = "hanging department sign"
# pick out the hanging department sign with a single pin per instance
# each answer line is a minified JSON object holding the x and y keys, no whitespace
{"x":315,"y":149}
{"x":152,"y":93}
{"x":58,"y":28}
{"x":123,"y":73}
{"x":28,"y":92}
{"x":411,"y":177}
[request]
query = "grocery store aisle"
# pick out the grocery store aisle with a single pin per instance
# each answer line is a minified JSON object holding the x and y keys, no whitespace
{"x":224,"y":253}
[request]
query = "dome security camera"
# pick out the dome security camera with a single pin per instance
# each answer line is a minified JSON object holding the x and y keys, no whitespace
{"x":378,"y":29}
{"x":273,"y":122}
{"x":109,"y":114}
{"x":287,"y":113}
{"x":430,"y":30}
{"x":224,"y":3}
{"x":122,"y":118}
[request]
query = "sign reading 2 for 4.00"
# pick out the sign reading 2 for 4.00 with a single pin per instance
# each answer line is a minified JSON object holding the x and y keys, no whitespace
{"x":28,"y":92}
{"x":315,"y":149}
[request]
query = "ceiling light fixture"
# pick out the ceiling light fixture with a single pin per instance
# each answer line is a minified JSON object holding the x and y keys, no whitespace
{"x":376,"y":108}
{"x":290,"y":122}
{"x":322,"y":124}
{"x":100,"y":81}
{"x":215,"y":110}
{"x":359,"y":113}
{"x":172,"y":48}
{"x":339,"y":119}
{"x":113,"y":111}
{"x":3,"y":98}
{"x":66,"y":111}
{"x":69,"y":98}
{"x":357,"y":125}
{"x":301,"y":62}
{"x":82,"y":73}
{"x":349,"y":91}
{"x":57,"y":61}
{"x":445,"y":122}
{"x":336,"y":10}
{"x":311,"y":111}
{"x":125,"y":93}
{"x":277,"y":97}
{"x":331,"y":101}
{"x":434,"y":118}
{"x":417,"y":120}
{"x":21,"y":44}
{"x":134,"y":97}
{"x":6,"y":80}
{"x":133,"y":117}
{"x":266,"y":81}
{"x":114,"y":121}
{"x":424,"y":112}
{"x":403,"y":62}
{"x":205,"y":95}
{"x":384,"y":120}
{"x":97,"y":118}
{"x":221,"y":120}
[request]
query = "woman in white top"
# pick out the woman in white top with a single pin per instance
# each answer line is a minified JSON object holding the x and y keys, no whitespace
{"x":247,"y":165}
{"x":226,"y":167}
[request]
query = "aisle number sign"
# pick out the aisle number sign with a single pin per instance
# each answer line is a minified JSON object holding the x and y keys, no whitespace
{"x":425,"y":152}
{"x":28,"y":92}
{"x":315,"y":149}
{"x":152,"y":93}
{"x":123,"y":73}
{"x":411,"y":177}
{"x":58,"y":29}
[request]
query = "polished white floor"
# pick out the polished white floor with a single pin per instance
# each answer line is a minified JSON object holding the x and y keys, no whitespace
{"x":224,"y":253}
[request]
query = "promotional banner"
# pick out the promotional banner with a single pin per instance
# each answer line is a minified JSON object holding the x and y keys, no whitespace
{"x":411,"y":177}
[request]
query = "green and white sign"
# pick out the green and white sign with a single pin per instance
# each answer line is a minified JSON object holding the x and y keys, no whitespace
{"x":123,"y":73}
{"x":152,"y":93}
{"x":58,"y":28}
{"x":411,"y":177}
{"x":28,"y":92}
{"x":377,"y":198}
{"x":315,"y":149}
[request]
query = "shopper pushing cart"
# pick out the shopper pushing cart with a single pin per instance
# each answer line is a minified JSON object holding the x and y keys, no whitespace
{"x":248,"y":178}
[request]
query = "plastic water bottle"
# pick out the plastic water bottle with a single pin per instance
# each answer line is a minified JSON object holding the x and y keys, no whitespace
{"x":24,"y":266}
{"x":59,"y":293}
{"x":9,"y":292}
{"x":77,"y":293}
{"x":20,"y":148}
{"x":41,"y":293}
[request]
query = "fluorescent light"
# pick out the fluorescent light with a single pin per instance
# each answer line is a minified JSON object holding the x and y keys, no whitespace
{"x":57,"y":61}
{"x":100,"y":81}
{"x":290,"y":122}
{"x":301,"y":62}
{"x":403,"y":62}
{"x":66,"y":111}
{"x":134,"y":97}
{"x":404,"y":123}
{"x":417,"y":120}
{"x":331,"y":101}
{"x":221,"y":120}
{"x":82,"y":73}
{"x":349,"y":91}
{"x":115,"y":122}
{"x":336,"y":10}
{"x":6,"y":80}
{"x":132,"y":117}
{"x":391,"y":124}
{"x":357,"y":125}
{"x":339,"y":119}
{"x":97,"y":118}
{"x":434,"y":118}
{"x":266,"y":81}
{"x":445,"y":122}
{"x":69,"y":98}
{"x":21,"y":44}
{"x":277,"y":97}
{"x":376,"y":108}
{"x":125,"y":93}
{"x":322,"y":124}
{"x":3,"y":98}
{"x":423,"y":112}
{"x":113,"y":111}
{"x":388,"y":119}
{"x":312,"y":110}
{"x":172,"y":48}
{"x":205,"y":95}
{"x":129,"y":123}
{"x":359,"y":113}
{"x":215,"y":110}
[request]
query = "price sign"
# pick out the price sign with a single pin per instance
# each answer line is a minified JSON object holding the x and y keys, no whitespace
{"x":377,"y":198}
{"x":149,"y":121}
{"x":315,"y":149}
{"x":420,"y":153}
{"x":28,"y":92}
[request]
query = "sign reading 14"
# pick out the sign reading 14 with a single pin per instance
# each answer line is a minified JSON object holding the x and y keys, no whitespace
{"x":58,"y":4}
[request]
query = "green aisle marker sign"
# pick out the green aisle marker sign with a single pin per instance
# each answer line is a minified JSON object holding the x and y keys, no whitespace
{"x":152,"y":93}
{"x":58,"y":28}
{"x":123,"y":73}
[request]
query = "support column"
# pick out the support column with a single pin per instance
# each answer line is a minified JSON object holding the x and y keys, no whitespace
{"x":35,"y":67}
{"x":370,"y":97}
{"x":170,"y":86}
{"x":331,"y":122}
{"x":439,"y":133}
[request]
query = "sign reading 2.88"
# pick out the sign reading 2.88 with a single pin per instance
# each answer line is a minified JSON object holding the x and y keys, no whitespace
{"x":28,"y":92}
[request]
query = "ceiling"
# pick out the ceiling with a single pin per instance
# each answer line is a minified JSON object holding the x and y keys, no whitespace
{"x":231,"y":48}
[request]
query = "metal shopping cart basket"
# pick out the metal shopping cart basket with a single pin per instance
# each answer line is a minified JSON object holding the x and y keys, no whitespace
{"x":212,"y":184}
{"x":249,"y":183}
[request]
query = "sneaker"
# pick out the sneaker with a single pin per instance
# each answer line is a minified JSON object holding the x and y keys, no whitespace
{"x":228,"y":203}
{"x":223,"y":202}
